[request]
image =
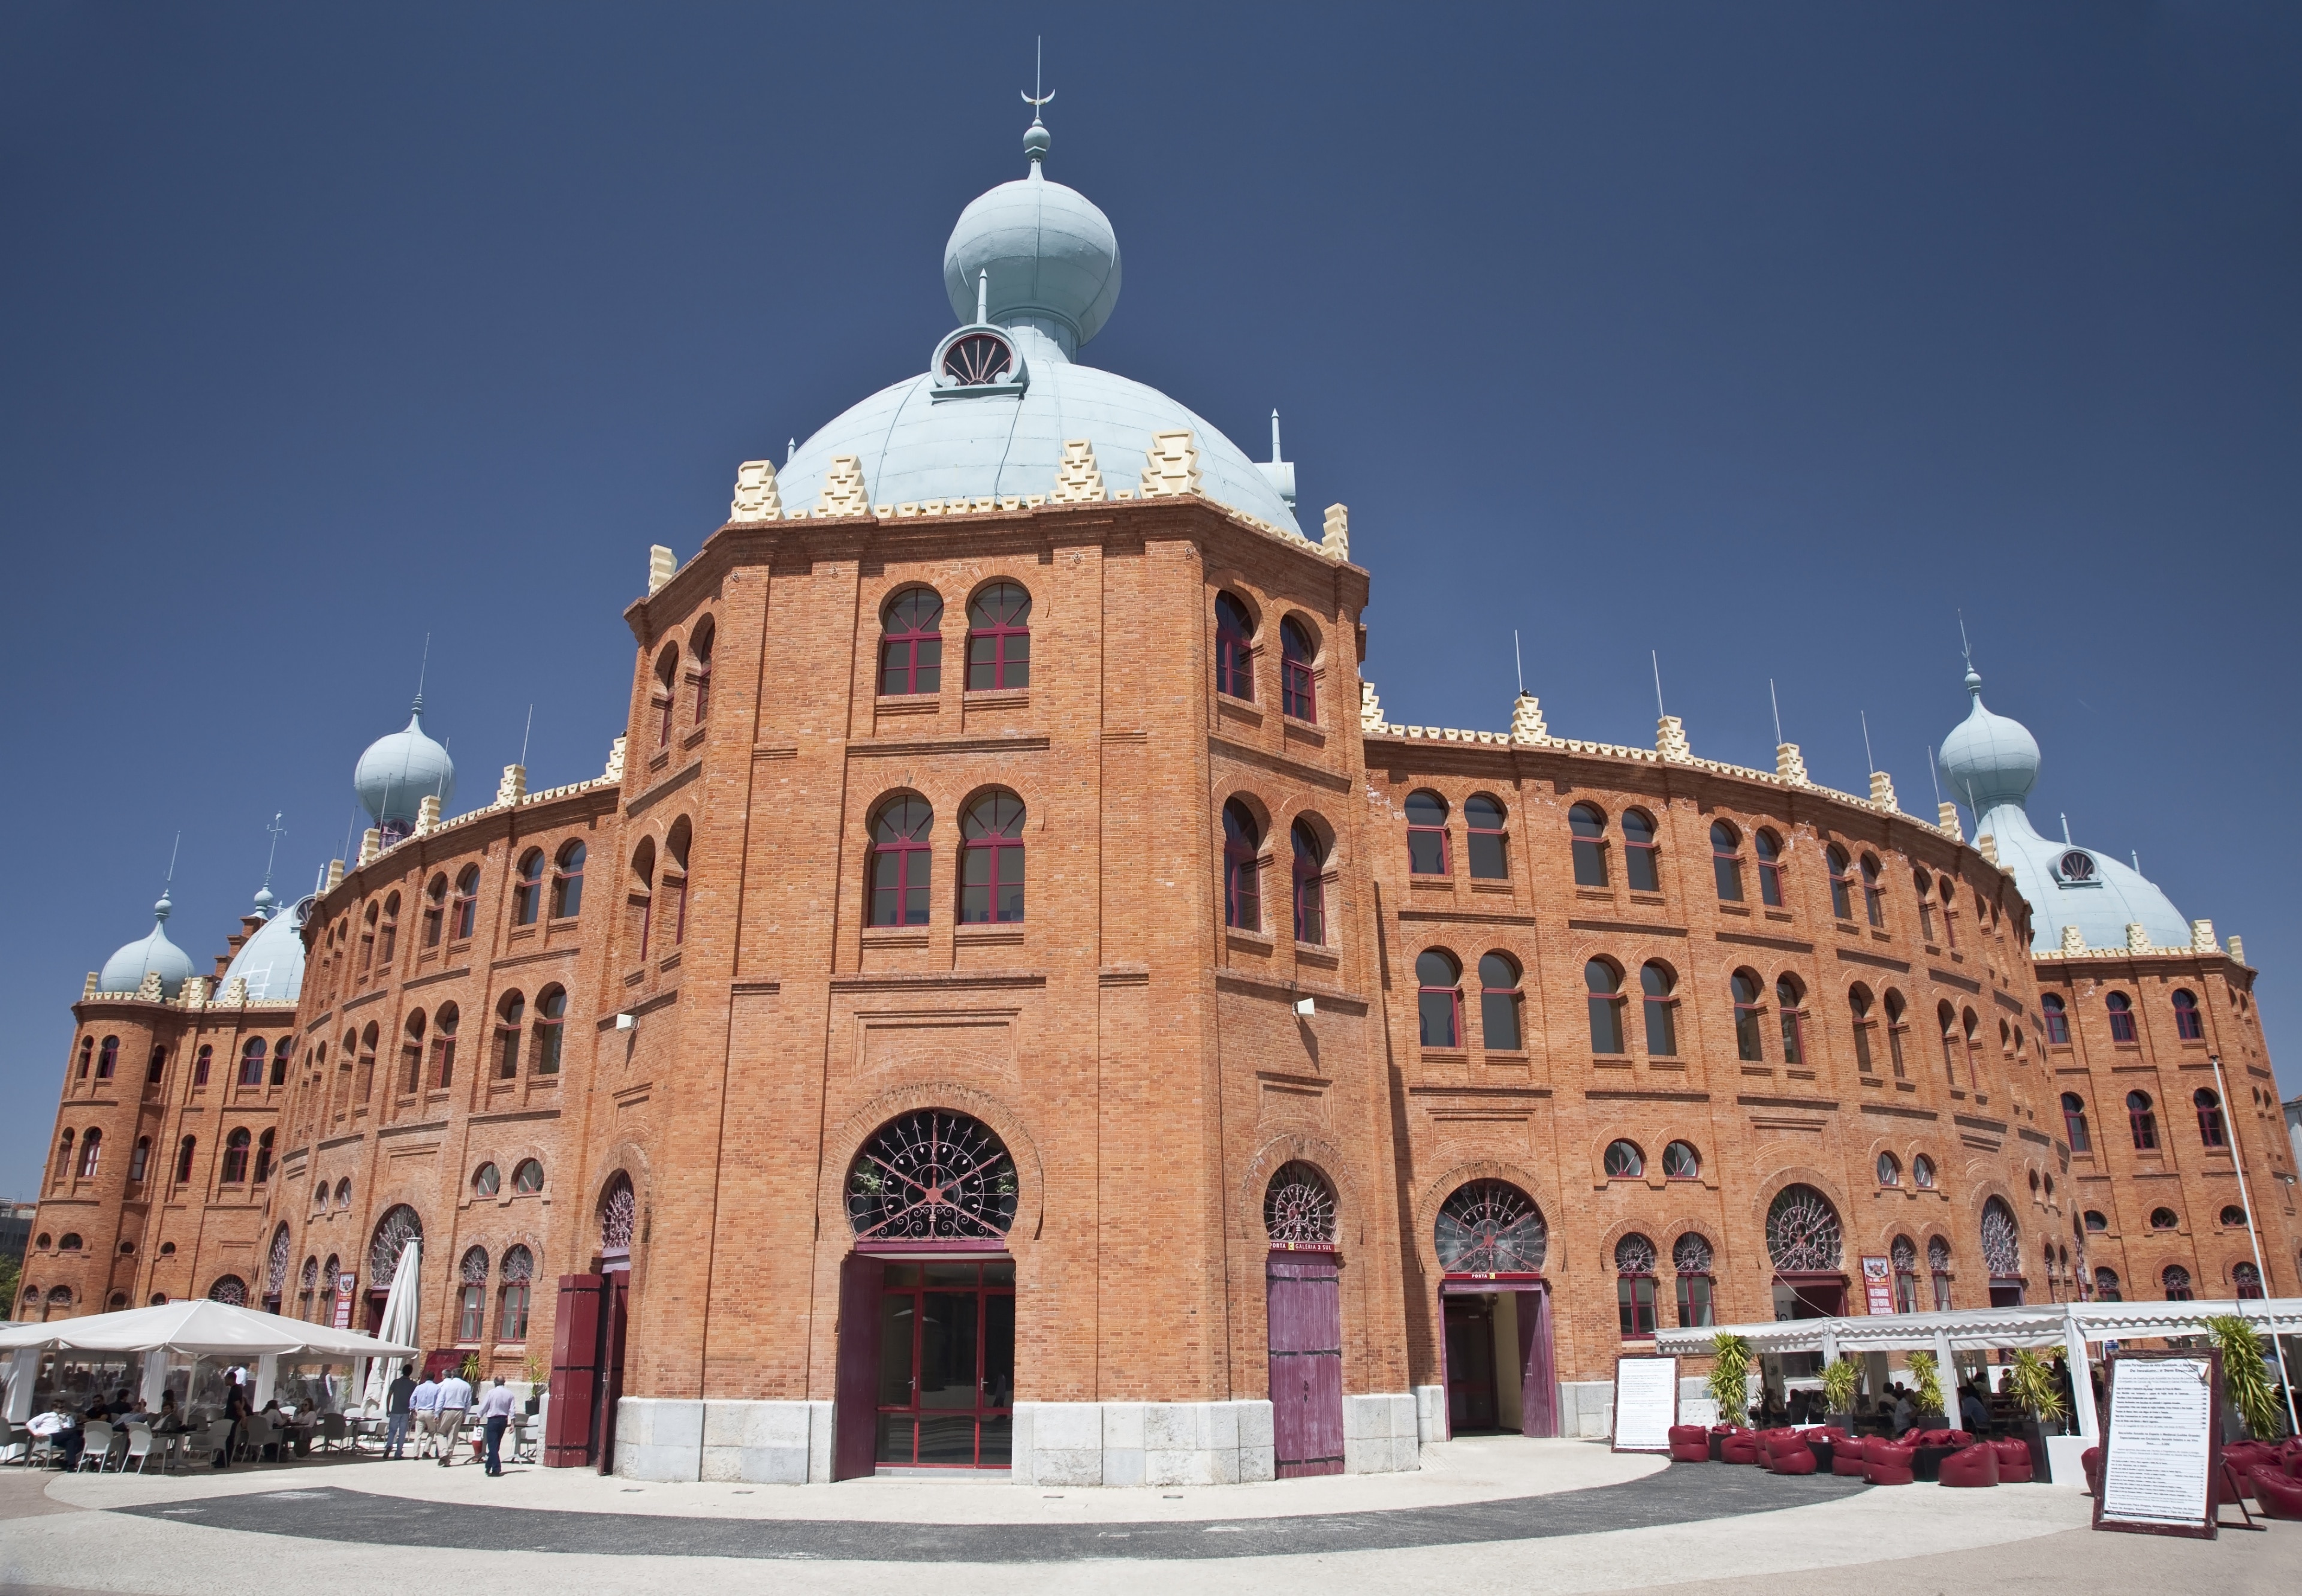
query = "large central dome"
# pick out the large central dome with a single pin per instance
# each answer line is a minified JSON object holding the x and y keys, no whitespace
{"x":1044,"y":262}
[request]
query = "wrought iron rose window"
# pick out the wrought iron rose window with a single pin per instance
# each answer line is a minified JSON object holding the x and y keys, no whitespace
{"x":1298,"y":1207}
{"x":1490,"y":1226}
{"x":2002,"y":1241}
{"x":978,"y":359}
{"x":932,"y":1176}
{"x":393,"y":1233}
{"x":1803,"y":1233}
{"x":618,"y":1209}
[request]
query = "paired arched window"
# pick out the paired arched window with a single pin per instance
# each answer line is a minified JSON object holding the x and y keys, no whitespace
{"x":1623,"y":1161}
{"x":264,"y":1157}
{"x":1923,"y":1173}
{"x":698,"y":650}
{"x":251,"y":1061}
{"x":527,"y":891}
{"x":991,"y":861}
{"x":1858,"y":1005}
{"x":1842,"y":883}
{"x":1658,"y":991}
{"x":1635,"y":1286}
{"x":2074,"y":1123}
{"x":1242,"y":865}
{"x":1641,"y":853}
{"x":443,"y":1045}
{"x":343,"y":1200}
{"x":2058,"y":1020}
{"x":185,"y":1151}
{"x":91,"y":1154}
{"x":1890,"y":1169}
{"x":1691,"y":1262}
{"x":1297,"y":682}
{"x":1439,"y":998}
{"x":1874,"y":892}
{"x":140,"y":1159}
{"x":664,"y":692}
{"x":1310,"y":868}
{"x":2246,"y":1281}
{"x":902,"y":867}
{"x":2233,"y":1217}
{"x":486,"y":1181}
{"x":1489,"y":846}
{"x":1588,"y":827}
{"x":1749,"y":1018}
{"x":2143,"y":1121}
{"x":1604,"y":983}
{"x":1905,"y":1257}
{"x":1234,"y":649}
{"x":1768,"y":847}
{"x":2121,"y":1016}
{"x":1896,"y":1026}
{"x":107,"y":1058}
{"x":512,"y":1302}
{"x":464,"y":913}
{"x":567,"y":882}
{"x":911,"y":644}
{"x":2212,"y":1131}
{"x":511,"y":1015}
{"x":2188,"y":1023}
{"x":387,"y":935}
{"x":411,"y":1055}
{"x":527,"y":1177}
{"x":1426,"y":833}
{"x":1790,"y":999}
{"x":472,"y":1295}
{"x":235,"y":1157}
{"x":551,"y":1023}
{"x":1727,"y":861}
{"x":676,"y":843}
{"x":2165,"y":1219}
{"x":2176,"y":1281}
{"x":1498,"y":1004}
{"x":999,"y":638}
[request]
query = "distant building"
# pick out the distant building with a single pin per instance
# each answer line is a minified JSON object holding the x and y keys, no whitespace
{"x":15,"y":1229}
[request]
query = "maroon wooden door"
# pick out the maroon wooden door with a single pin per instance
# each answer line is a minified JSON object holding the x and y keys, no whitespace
{"x":574,"y":1373}
{"x":615,"y":1304}
{"x":1304,"y":1293}
{"x":855,"y":1398}
{"x":1538,"y":1390}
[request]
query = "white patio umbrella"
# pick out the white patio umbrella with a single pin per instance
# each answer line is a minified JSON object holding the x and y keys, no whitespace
{"x":398,"y":1327}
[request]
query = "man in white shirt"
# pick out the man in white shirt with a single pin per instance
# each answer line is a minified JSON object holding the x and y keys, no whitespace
{"x":495,"y":1411}
{"x":423,"y":1404}
{"x":455,"y":1402}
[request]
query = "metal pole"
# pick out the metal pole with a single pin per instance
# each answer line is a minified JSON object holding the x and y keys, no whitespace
{"x":2261,"y":1273}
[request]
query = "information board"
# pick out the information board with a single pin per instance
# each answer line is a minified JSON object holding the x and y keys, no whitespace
{"x":1877,"y":1286}
{"x":1646,"y":1403}
{"x":2161,"y":1448}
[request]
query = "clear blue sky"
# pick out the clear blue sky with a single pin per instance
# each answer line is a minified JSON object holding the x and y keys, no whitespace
{"x":1767,"y":337}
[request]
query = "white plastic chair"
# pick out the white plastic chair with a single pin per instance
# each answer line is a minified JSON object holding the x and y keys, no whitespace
{"x":96,"y":1444}
{"x":210,"y":1443}
{"x":141,"y":1444}
{"x":255,"y":1434}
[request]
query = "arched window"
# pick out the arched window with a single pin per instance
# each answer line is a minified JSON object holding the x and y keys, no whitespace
{"x":567,"y":882}
{"x":991,"y":861}
{"x":2188,"y":1023}
{"x":486,"y":1181}
{"x":1749,"y":1018}
{"x":1297,"y":684}
{"x":999,"y":638}
{"x":1874,"y":892}
{"x":320,"y":1198}
{"x":2107,"y":1286}
{"x":1439,"y":998}
{"x":1842,"y":883}
{"x":1938,"y":1272}
{"x":251,"y":1061}
{"x":2074,"y":1123}
{"x":2121,"y":1016}
{"x":1890,"y":1169}
{"x":472,"y":1295}
{"x":2095,"y":1221}
{"x":411,"y":1055}
{"x":1426,"y":833}
{"x":443,"y":1045}
{"x":87,"y":1055}
{"x":1857,"y":1004}
{"x":1905,"y":1259}
{"x":1681,"y":1161}
{"x":511,"y":1014}
{"x":1803,"y":1231}
{"x":1926,"y":889}
{"x":1897,"y":1025}
{"x":1727,"y":861}
{"x":1234,"y":649}
{"x":1489,"y":1228}
{"x":63,"y":1167}
{"x":1604,"y":983}
{"x":1589,"y":828}
{"x":2165,"y":1219}
{"x":698,"y":650}
{"x":932,"y":1175}
{"x":664,"y":693}
{"x":59,"y":1298}
{"x":2233,"y":1217}
{"x":1641,"y":853}
{"x":1624,"y":1161}
{"x":464,"y":914}
{"x":228,"y":1290}
{"x":367,"y":1060}
{"x":264,"y":1157}
{"x":235,"y":1157}
{"x":527,"y":1177}
{"x":200,"y":1063}
{"x":387,"y":936}
{"x":1657,"y":990}
{"x":1923,"y":1173}
{"x":367,"y":938}
{"x":1498,"y":1004}
{"x":1770,"y":850}
{"x":2142,"y":1121}
{"x":1690,"y":1260}
{"x":1298,"y":1208}
{"x":1789,"y":997}
{"x":2246,"y":1281}
{"x":140,"y":1159}
{"x":1242,"y":865}
{"x":2002,"y":1250}
{"x":640,"y":903}
{"x":307,"y":1285}
{"x":511,"y":1307}
{"x":72,"y":1243}
{"x":1483,"y":826}
{"x":91,"y":1152}
{"x":676,"y":845}
{"x":1946,"y":1018}
{"x":1634,"y":1264}
{"x":389,"y":1243}
{"x":528,"y":892}
{"x":902,"y":862}
{"x":2212,"y":1131}
{"x":107,"y":1059}
{"x":184,"y":1151}
{"x":2176,"y":1280}
{"x":1310,"y":883}
{"x":280,"y":1048}
{"x":551,"y":1022}
{"x":343,"y":1199}
{"x":2058,"y":1020}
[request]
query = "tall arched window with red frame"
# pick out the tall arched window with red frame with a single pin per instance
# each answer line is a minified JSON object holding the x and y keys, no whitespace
{"x":663,"y":694}
{"x":2212,"y":1131}
{"x":999,"y":638}
{"x":2121,"y":1016}
{"x":639,"y":901}
{"x":1874,"y":893}
{"x":2142,"y":1121}
{"x":235,"y":1157}
{"x":902,"y":862}
{"x":1298,"y":682}
{"x":264,"y":1157}
{"x":1950,"y":912}
{"x":463,"y":915}
{"x":567,"y":882}
{"x":1242,"y":868}
{"x":443,"y":1045}
{"x":1768,"y":847}
{"x":2058,"y":1020}
{"x":91,"y":1154}
{"x":551,"y":1023}
{"x":1426,"y":834}
{"x":676,"y":843}
{"x":436,"y":910}
{"x":1790,"y":999}
{"x":1483,"y":823}
{"x":1234,"y":649}
{"x":107,"y":1059}
{"x":186,"y":1151}
{"x":1439,"y":998}
{"x":1750,"y":1010}
{"x":911,"y":644}
{"x":251,"y":1061}
{"x":1588,"y":825}
{"x":387,"y":935}
{"x":2074,"y":1123}
{"x":991,"y":860}
{"x":510,"y":1014}
{"x":2188,"y":1023}
{"x":699,"y":648}
{"x":1842,"y":884}
{"x":1605,"y":984}
{"x":1641,"y":852}
{"x":528,"y":892}
{"x":1310,"y":873}
{"x":1726,"y":860}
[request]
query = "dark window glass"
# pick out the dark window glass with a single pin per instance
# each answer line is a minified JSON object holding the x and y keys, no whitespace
{"x":1242,"y":893}
{"x":2121,"y":1016}
{"x":1426,"y":833}
{"x":2142,"y":1121}
{"x":1297,"y":684}
{"x":568,"y":884}
{"x":1310,"y":884}
{"x":1438,"y":1000}
{"x":1642,"y":856}
{"x":1498,"y":1029}
{"x":527,"y":896}
{"x":991,"y":864}
{"x":1234,"y":649}
{"x":1787,"y":996}
{"x":1680,"y":1162}
{"x":2074,"y":1125}
{"x":1841,"y":890}
{"x":2058,"y":1020}
{"x":1605,"y":984}
{"x":1590,"y":829}
{"x":999,"y":638}
{"x":1750,"y":1039}
{"x":902,"y":863}
{"x":1770,"y":850}
{"x":2211,"y":1132}
{"x":1874,"y":892}
{"x":1727,"y":861}
{"x":1655,"y":988}
{"x":2188,"y":1023}
{"x":911,"y":644}
{"x":1483,"y":819}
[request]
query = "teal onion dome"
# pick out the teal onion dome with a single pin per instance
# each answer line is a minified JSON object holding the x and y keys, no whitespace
{"x":400,"y":771}
{"x":272,"y":961}
{"x":1988,"y":759}
{"x":125,"y":971}
{"x":1050,"y":255}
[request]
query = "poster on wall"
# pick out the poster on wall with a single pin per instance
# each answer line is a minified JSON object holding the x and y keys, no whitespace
{"x":1646,"y":1403}
{"x":344,"y":1284}
{"x":2161,"y":1448}
{"x":1877,"y":1286}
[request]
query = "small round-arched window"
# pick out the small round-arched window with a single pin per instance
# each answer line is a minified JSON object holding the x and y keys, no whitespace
{"x":932,"y":1176}
{"x":1624,"y":1161}
{"x":1298,"y":1207}
{"x":979,"y":358}
{"x":487,"y":1180}
{"x":528,"y":1177}
{"x":1490,"y":1226}
{"x":228,"y":1289}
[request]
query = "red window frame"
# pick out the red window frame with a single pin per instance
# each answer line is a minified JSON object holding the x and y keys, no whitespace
{"x":1234,"y":649}
{"x":200,"y":1066}
{"x":1449,"y":997}
{"x":1750,"y":1017}
{"x":1791,"y":1002}
{"x":263,"y":1158}
{"x":186,"y":1150}
{"x":1727,"y":861}
{"x":550,"y":1018}
{"x":527,"y":895}
{"x":387,"y":936}
{"x":2074,"y":1123}
{"x":911,"y":644}
{"x":1242,"y":888}
{"x":2058,"y":1020}
{"x":235,"y":1157}
{"x":991,"y":860}
{"x":1422,"y":830}
{"x":1310,"y":885}
{"x":1842,"y":884}
{"x":1768,"y":851}
{"x":436,"y":910}
{"x":1587,"y":825}
{"x":251,"y":1063}
{"x":2190,"y":1025}
{"x":1500,"y":1003}
{"x":91,"y":1154}
{"x":903,"y":862}
{"x":1635,"y":1300}
{"x":1607,"y":1007}
{"x":1486,"y":828}
{"x":999,"y":638}
{"x":465,"y":916}
{"x":700,"y":650}
{"x":2142,"y":1120}
{"x":511,"y":1016}
{"x":1659,"y":1009}
{"x":1641,"y":852}
{"x":1298,"y":682}
{"x":107,"y":1059}
{"x":1874,"y":893}
{"x":676,"y":888}
{"x":2214,"y":1131}
{"x":567,"y":882}
{"x":443,"y":1046}
{"x":2121,"y":1009}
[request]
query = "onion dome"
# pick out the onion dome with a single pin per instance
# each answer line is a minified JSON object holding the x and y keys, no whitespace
{"x":400,"y":771}
{"x":1988,"y":759}
{"x":125,"y":971}
{"x":272,"y":961}
{"x":1052,"y":257}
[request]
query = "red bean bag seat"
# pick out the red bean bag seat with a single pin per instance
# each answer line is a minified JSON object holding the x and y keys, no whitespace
{"x":1690,"y":1443}
{"x":2280,"y":1497}
{"x":1888,"y":1463}
{"x":1739,"y":1446}
{"x":1972,"y":1465}
{"x":1846,"y":1458}
{"x":1787,"y":1453}
{"x":2015,"y":1466}
{"x":2090,"y":1464}
{"x":2244,"y":1457}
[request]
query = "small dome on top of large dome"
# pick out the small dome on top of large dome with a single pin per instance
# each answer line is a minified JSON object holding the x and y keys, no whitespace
{"x":1049,"y":252}
{"x":399,"y":771}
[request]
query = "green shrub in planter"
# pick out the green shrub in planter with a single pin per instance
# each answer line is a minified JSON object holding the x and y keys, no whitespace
{"x":1729,"y":1378}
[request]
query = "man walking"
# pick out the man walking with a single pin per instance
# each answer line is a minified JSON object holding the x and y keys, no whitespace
{"x":423,"y":1410}
{"x":455,"y":1401}
{"x":396,"y":1402}
{"x":495,"y":1412}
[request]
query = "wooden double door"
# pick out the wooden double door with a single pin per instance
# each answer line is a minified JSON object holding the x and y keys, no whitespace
{"x":927,"y":1365}
{"x":1304,"y":1297}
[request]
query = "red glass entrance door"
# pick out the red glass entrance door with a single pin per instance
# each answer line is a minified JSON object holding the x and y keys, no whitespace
{"x":946,"y":1385}
{"x":1305,"y":1295}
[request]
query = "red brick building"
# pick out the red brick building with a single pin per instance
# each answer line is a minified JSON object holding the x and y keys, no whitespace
{"x":1013,"y":999}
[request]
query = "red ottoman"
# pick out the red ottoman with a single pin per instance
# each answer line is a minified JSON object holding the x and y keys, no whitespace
{"x":2090,"y":1465}
{"x":1846,"y":1458}
{"x":1741,"y":1447}
{"x":1888,"y":1463}
{"x":1690,"y":1443}
{"x":2014,"y":1464}
{"x":2280,"y":1497}
{"x":1787,"y":1453}
{"x":1974,"y":1466}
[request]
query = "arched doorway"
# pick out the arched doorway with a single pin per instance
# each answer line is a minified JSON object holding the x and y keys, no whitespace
{"x":927,"y":1313}
{"x":1303,"y":1288}
{"x":1495,"y":1310}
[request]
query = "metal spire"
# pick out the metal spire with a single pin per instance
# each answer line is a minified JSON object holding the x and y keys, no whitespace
{"x":1036,"y":138}
{"x":265,"y":901}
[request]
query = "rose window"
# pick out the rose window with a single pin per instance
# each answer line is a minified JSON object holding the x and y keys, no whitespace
{"x":1691,"y":1254}
{"x":393,"y":1233}
{"x":2002,"y":1241}
{"x":275,"y":1266}
{"x":1802,"y":1234}
{"x":618,"y":1210}
{"x":932,"y":1176}
{"x":230,"y":1290}
{"x":1490,"y":1226}
{"x":1298,"y":1207}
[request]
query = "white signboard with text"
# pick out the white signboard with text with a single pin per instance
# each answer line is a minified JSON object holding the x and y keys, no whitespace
{"x":1646,"y":1403}
{"x":2160,"y":1450}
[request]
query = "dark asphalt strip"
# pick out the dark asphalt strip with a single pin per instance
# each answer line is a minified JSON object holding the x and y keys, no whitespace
{"x":1680,"y":1494}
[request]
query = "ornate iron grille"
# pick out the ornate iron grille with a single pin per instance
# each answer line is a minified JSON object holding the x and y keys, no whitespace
{"x":518,"y":1265}
{"x":617,"y":1211}
{"x":932,"y":1176}
{"x":1691,"y":1254}
{"x":475,"y":1270}
{"x":275,"y":1266}
{"x":1802,"y":1232}
{"x":232,"y":1289}
{"x":2002,"y":1241}
{"x":1298,"y":1207}
{"x":311,"y":1276}
{"x":1906,"y":1256}
{"x":1938,"y":1256}
{"x":1491,"y":1227}
{"x":393,"y":1233}
{"x":979,"y":357}
{"x":1634,"y":1254}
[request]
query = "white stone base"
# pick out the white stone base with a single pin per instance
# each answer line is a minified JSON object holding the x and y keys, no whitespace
{"x":1142,"y":1443}
{"x":1430,"y":1414}
{"x":1586,"y":1409}
{"x":1380,"y":1434}
{"x":767,"y":1443}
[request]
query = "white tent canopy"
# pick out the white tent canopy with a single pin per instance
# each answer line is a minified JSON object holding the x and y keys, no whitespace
{"x":198,"y":1328}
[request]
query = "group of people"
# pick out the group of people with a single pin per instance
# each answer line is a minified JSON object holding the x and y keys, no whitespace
{"x":438,"y":1409}
{"x":67,"y":1424}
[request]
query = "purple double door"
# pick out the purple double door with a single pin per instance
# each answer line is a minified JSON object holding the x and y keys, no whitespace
{"x":1305,"y":1290}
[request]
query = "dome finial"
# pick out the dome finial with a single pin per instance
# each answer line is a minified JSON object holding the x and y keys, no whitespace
{"x":265,"y":903}
{"x":1966,"y":652}
{"x":1036,"y":138}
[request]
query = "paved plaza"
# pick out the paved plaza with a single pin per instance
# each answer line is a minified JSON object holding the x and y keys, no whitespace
{"x":1492,"y":1513}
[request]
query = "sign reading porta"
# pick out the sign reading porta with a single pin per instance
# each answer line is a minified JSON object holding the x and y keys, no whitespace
{"x":1646,"y":1403}
{"x":2161,"y":1448}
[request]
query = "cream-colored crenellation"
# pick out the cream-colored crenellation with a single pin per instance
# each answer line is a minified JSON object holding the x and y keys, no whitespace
{"x":661,"y":566}
{"x":1079,"y":480}
{"x":335,"y":875}
{"x":2237,"y":949}
{"x":1370,"y":709}
{"x":1790,"y":765}
{"x":235,"y":994}
{"x":1670,"y":740}
{"x":2202,"y":936}
{"x":1882,"y":790}
{"x":1172,"y":466}
{"x":2073,"y":941}
{"x":88,"y":987}
{"x":2138,"y":937}
{"x":513,"y":787}
{"x":844,"y":490}
{"x":149,"y":989}
{"x":427,"y":814}
{"x":1947,"y":819}
{"x":1335,"y":536}
{"x":1526,"y":720}
{"x":758,"y":497}
{"x":371,"y":845}
{"x":615,"y":771}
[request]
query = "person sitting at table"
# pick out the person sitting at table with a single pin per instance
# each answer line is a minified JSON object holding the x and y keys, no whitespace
{"x":1973,"y":1412}
{"x":62,"y":1426}
{"x":1905,"y":1413}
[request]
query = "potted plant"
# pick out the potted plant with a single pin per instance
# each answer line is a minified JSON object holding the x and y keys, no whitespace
{"x":1926,"y":1398}
{"x":2037,"y":1390}
{"x":1729,"y":1383}
{"x":2246,"y":1376}
{"x":534,"y":1372}
{"x":1839,"y":1384}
